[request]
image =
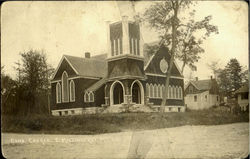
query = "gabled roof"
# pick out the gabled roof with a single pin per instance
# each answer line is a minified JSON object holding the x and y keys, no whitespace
{"x":243,"y":89}
{"x":97,"y":85}
{"x":86,"y":67}
{"x":203,"y":84}
{"x":90,"y":67}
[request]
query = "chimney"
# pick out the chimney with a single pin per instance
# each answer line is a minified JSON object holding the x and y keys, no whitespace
{"x":196,"y":78}
{"x":87,"y":55}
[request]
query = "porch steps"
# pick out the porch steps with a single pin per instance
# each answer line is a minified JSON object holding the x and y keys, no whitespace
{"x":115,"y":109}
{"x":140,"y":108}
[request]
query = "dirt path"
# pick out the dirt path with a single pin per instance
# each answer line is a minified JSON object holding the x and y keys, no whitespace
{"x":223,"y":141}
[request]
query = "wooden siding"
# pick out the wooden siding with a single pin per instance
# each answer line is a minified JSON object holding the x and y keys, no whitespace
{"x":64,"y":67}
{"x":154,"y":65}
{"x":80,"y":86}
{"x":125,"y":67}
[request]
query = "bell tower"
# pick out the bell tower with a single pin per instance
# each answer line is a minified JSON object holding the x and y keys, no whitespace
{"x":124,"y":48}
{"x":125,"y":59}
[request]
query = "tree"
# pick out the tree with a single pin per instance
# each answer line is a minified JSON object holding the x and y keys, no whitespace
{"x":215,"y":67}
{"x":177,"y":34}
{"x":231,"y":77}
{"x":8,"y":91}
{"x":33,"y":75}
{"x":235,"y":74}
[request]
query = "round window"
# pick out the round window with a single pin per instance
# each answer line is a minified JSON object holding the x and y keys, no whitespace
{"x":163,"y":65}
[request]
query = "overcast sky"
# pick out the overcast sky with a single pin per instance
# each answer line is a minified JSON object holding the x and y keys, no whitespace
{"x":76,"y":27}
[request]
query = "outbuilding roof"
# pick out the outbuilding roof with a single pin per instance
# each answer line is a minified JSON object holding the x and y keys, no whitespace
{"x":243,"y":89}
{"x":203,"y":84}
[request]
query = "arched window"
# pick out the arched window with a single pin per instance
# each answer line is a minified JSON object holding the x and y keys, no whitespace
{"x":169,"y":92}
{"x":58,"y":93}
{"x":177,"y":93}
{"x":147,"y":89}
{"x":86,"y":97}
{"x":160,"y":91}
{"x":163,"y":89}
{"x":91,"y":97}
{"x":155,"y":91}
{"x":151,"y":90}
{"x":72,"y":90}
{"x":65,"y":91}
{"x":181,"y":95}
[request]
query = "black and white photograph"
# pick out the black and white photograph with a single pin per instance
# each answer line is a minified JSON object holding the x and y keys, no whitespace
{"x":125,"y":79}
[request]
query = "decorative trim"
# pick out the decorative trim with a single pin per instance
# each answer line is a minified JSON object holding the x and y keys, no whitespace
{"x":64,"y":57}
{"x":126,"y":77}
{"x":55,"y":81}
{"x":178,"y":68}
{"x":122,"y":56}
{"x":141,"y":90}
{"x":159,"y":75}
{"x":84,"y":77}
{"x":77,"y":77}
{"x":149,"y":61}
{"x":111,"y":91}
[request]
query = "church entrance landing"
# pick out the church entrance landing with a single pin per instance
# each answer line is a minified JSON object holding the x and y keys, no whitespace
{"x":137,"y":92}
{"x":117,"y":93}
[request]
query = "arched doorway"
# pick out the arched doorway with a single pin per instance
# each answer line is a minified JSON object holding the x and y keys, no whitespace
{"x":137,"y":92}
{"x":116,"y":93}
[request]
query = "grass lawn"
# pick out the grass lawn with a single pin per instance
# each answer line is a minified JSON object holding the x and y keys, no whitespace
{"x":108,"y":123}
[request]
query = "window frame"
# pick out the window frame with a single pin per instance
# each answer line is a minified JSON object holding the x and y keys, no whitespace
{"x":70,"y":89}
{"x":58,"y":93}
{"x":67,"y":87}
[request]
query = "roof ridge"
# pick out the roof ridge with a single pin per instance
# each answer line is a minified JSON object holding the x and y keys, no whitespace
{"x":91,"y":58}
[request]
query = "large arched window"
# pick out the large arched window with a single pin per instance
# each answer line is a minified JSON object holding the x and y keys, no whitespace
{"x":147,"y":89}
{"x":65,"y":91}
{"x":155,"y":91}
{"x":91,"y":97}
{"x":162,"y":90}
{"x":177,"y":93}
{"x":72,"y":90}
{"x":58,"y":93}
{"x":151,"y":91}
{"x":86,"y":97}
{"x":180,"y":89}
{"x":169,"y":92}
{"x":173,"y":92}
{"x":159,"y":91}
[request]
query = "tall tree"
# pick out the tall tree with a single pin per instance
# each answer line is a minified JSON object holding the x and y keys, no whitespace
{"x":235,"y":74}
{"x":177,"y":34}
{"x":34,"y":73}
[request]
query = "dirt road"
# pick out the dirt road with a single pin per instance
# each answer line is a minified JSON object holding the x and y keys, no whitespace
{"x":222,"y":141}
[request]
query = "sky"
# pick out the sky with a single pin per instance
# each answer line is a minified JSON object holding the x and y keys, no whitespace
{"x":76,"y":27}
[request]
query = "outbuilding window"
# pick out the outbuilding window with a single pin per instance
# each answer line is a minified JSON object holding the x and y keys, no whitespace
{"x":195,"y":98}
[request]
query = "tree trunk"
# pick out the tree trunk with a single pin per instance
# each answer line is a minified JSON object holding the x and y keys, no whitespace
{"x":182,"y":68}
{"x":174,"y":29}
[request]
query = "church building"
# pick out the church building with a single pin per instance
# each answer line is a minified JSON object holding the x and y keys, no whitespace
{"x":83,"y":85}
